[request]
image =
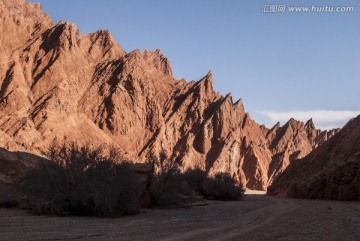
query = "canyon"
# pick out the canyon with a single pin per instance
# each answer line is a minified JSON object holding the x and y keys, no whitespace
{"x":58,"y":85}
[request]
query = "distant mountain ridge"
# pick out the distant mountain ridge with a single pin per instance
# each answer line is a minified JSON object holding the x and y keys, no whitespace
{"x":59,"y":85}
{"x":332,"y":171}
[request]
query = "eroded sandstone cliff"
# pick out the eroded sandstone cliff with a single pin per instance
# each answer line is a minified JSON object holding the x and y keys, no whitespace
{"x":332,"y":171}
{"x":60,"y":85}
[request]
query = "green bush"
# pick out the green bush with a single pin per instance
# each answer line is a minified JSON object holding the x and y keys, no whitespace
{"x":82,"y":182}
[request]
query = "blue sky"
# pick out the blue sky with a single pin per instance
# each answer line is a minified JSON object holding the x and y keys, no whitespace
{"x":281,"y":64}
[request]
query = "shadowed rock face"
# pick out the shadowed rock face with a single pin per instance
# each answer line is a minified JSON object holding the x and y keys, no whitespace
{"x":57,"y":84}
{"x":332,"y":171}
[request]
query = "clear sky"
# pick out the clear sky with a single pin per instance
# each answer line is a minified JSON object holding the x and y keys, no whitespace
{"x":280,"y":64}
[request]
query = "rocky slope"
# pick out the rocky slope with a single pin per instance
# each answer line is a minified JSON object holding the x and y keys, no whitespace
{"x":332,"y":171}
{"x":59,"y":85}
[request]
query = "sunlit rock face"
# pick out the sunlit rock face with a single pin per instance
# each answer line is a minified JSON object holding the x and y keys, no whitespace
{"x":59,"y":85}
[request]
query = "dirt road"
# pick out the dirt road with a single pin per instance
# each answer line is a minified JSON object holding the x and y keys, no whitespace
{"x":257,"y":217}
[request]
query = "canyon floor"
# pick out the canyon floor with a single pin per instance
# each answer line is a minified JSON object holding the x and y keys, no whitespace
{"x":257,"y":217}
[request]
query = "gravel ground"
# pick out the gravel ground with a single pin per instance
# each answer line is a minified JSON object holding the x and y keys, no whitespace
{"x":257,"y":217}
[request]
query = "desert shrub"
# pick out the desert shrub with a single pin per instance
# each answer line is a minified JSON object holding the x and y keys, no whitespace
{"x":165,"y":190}
{"x":82,"y":182}
{"x":11,"y":203}
{"x":9,"y":195}
{"x":221,"y":187}
{"x":193,"y":180}
{"x":173,"y":188}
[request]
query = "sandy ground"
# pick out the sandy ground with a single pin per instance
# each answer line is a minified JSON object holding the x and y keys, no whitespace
{"x":250,"y":192}
{"x":257,"y":217}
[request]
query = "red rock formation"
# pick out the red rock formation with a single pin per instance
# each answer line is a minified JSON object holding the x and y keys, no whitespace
{"x":58,"y":85}
{"x":331,"y":171}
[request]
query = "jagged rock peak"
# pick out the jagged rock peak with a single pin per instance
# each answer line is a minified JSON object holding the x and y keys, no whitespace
{"x":310,"y":124}
{"x":104,"y":41}
{"x":207,"y":81}
{"x":154,"y":58}
{"x":229,"y":98}
{"x":209,"y":75}
{"x":293,"y":123}
{"x":276,"y":126}
{"x":292,"y":120}
{"x":239,"y":105}
{"x":331,"y":171}
{"x":105,"y":36}
{"x":239,"y":102}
